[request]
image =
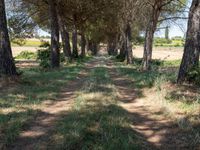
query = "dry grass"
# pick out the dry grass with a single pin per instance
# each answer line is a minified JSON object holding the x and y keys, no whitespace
{"x":162,"y":53}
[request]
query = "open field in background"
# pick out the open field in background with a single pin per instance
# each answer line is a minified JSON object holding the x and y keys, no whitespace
{"x":162,"y":53}
{"x":18,"y":49}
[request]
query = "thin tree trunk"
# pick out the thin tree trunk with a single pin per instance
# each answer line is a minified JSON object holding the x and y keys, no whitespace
{"x":129,"y":52}
{"x":94,"y":48}
{"x":149,"y":36}
{"x":112,"y":47}
{"x":122,"y":54}
{"x":75,"y":39}
{"x":66,"y":42}
{"x":55,"y":51}
{"x":148,"y":47}
{"x":7,"y":65}
{"x":83,"y":44}
{"x":192,"y":46}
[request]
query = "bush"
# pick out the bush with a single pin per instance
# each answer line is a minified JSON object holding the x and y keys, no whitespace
{"x":44,"y":55}
{"x":26,"y":55}
{"x":44,"y":44}
{"x":193,"y":75}
{"x":161,"y":41}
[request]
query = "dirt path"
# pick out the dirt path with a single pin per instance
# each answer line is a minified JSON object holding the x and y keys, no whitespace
{"x":156,"y":131}
{"x":38,"y":132}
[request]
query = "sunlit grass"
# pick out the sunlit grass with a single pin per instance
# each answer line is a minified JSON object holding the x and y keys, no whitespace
{"x":176,"y":101}
{"x":19,"y":103}
{"x":96,"y":121}
{"x":30,"y":43}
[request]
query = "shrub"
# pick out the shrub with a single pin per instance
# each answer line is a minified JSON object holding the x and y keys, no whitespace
{"x":26,"y":55}
{"x":161,"y":41}
{"x":44,"y":55}
{"x":193,"y":75}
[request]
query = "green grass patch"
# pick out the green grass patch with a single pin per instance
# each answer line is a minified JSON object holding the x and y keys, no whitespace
{"x":26,"y":55}
{"x":96,"y":121}
{"x":18,"y":103}
{"x":142,"y":79}
{"x":29,"y":43}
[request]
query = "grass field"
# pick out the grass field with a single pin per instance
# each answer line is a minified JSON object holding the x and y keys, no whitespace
{"x":29,"y":43}
{"x":20,"y":102}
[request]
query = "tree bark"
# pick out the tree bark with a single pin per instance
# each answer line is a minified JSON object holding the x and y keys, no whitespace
{"x":75,"y":39}
{"x":55,"y":51}
{"x":192,"y":46}
{"x":148,"y":46}
{"x":65,"y":39}
{"x":112,"y":47}
{"x":83,"y":44}
{"x":66,"y":46}
{"x":7,"y":65}
{"x":94,"y":48}
{"x":129,"y":52}
{"x":122,"y":52}
{"x":149,"y":36}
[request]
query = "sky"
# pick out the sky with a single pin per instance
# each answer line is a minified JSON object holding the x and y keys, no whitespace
{"x":178,"y":28}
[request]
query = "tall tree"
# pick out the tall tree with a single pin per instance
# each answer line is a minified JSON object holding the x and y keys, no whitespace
{"x":149,"y":35}
{"x":83,"y":44}
{"x":192,"y":46}
{"x":7,"y":65}
{"x":65,"y":38}
{"x":129,"y":52}
{"x":75,"y":37}
{"x":167,"y":33}
{"x":157,"y":9}
{"x":55,"y":51}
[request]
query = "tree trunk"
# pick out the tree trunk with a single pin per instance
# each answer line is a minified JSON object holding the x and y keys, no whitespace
{"x":55,"y":51}
{"x":65,"y":40}
{"x":149,"y":36}
{"x":83,"y":44}
{"x":122,"y":54}
{"x":94,"y":48}
{"x":192,"y":46}
{"x":112,"y":47}
{"x":148,"y":46}
{"x":7,"y":65}
{"x":129,"y":52}
{"x":75,"y":39}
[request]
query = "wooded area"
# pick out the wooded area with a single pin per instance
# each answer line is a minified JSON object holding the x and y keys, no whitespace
{"x":92,"y":48}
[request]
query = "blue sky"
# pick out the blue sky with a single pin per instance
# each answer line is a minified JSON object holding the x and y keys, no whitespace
{"x":178,"y":28}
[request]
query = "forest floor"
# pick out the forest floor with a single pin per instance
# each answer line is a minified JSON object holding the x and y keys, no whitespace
{"x":103,"y":108}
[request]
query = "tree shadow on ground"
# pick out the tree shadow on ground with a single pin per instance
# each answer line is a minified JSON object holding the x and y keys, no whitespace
{"x":18,"y":100}
{"x":11,"y":124}
{"x":107,"y":126}
{"x":36,"y":86}
{"x":98,"y":127}
{"x":187,"y":94}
